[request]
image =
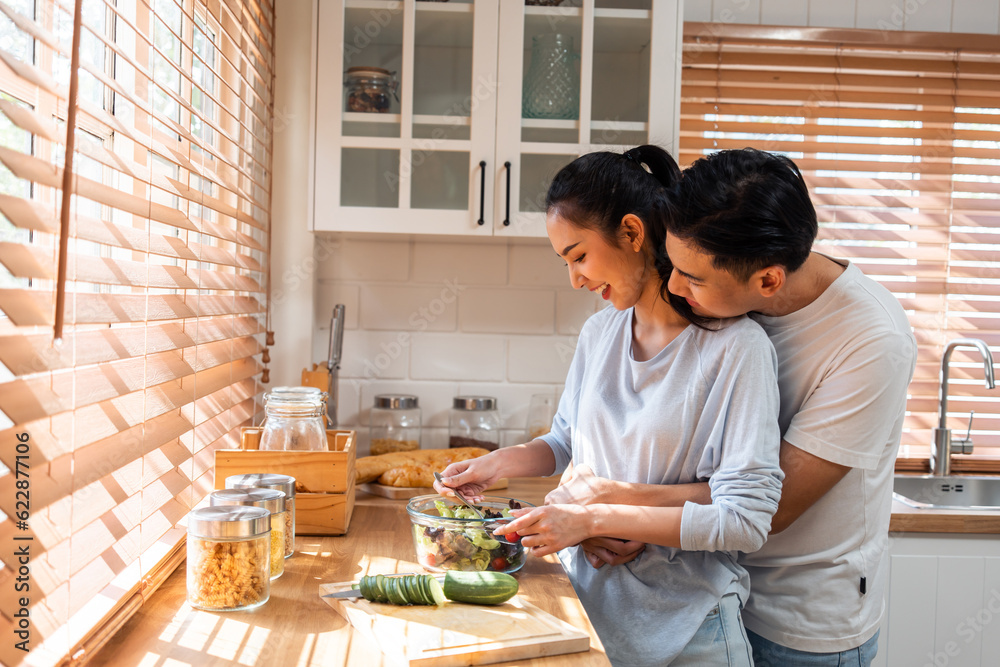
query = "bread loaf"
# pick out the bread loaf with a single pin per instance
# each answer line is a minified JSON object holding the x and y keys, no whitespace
{"x":420,"y":465}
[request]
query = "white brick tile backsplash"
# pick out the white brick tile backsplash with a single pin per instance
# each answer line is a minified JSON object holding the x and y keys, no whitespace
{"x":435,"y":399}
{"x":349,"y":404}
{"x":573,"y":309}
{"x":978,"y":16}
{"x":464,"y":263}
{"x":353,"y":259}
{"x":374,"y":355}
{"x":880,"y":15}
{"x":744,"y":11}
{"x":927,"y":17}
{"x":537,"y":266}
{"x":539,"y":358}
{"x":400,"y":307}
{"x":698,"y":10}
{"x":826,"y":14}
{"x":457,"y":357}
{"x":329,"y":295}
{"x":783,"y":12}
{"x":506,"y":311}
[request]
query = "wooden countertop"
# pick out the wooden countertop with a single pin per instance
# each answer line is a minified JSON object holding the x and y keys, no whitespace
{"x":304,"y":631}
{"x":297,"y":628}
{"x":906,"y":519}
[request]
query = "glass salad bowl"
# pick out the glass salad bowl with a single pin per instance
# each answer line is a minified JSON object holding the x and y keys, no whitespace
{"x":449,"y":536}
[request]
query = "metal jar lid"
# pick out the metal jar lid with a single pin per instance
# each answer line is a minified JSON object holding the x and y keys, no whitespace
{"x":474,"y":403}
{"x":396,"y":401}
{"x":229,"y":522}
{"x":263,"y":481}
{"x":270,"y":499}
{"x":373,"y":73}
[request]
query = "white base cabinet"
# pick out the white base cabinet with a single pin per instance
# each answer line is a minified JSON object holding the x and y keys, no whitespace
{"x":943,"y":602}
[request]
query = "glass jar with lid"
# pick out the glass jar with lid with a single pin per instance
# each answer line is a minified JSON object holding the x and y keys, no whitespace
{"x":395,"y":424}
{"x":369,"y":89}
{"x":283,"y":483}
{"x":274,"y":502}
{"x":228,"y":558}
{"x":474,"y":422}
{"x":294,"y":419}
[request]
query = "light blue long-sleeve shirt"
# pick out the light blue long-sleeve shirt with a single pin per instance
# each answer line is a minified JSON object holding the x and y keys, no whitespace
{"x":704,"y":408}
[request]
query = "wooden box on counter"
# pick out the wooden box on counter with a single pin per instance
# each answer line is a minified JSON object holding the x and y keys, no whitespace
{"x":324,"y":481}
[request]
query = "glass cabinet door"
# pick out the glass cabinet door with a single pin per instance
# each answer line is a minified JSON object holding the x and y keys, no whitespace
{"x":405,"y":116}
{"x":582,"y":76}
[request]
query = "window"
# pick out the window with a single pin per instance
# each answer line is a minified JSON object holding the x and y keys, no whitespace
{"x":898,"y":144}
{"x":165,"y":292}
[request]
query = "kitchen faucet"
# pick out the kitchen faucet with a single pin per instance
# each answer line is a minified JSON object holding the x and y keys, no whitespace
{"x":943,"y":446}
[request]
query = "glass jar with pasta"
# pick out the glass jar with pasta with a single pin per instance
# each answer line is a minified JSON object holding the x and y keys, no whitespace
{"x":228,"y":558}
{"x":283,"y":483}
{"x":271,"y":500}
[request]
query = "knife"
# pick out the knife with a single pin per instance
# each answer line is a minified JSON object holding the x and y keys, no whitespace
{"x":333,"y":361}
{"x":356,"y":593}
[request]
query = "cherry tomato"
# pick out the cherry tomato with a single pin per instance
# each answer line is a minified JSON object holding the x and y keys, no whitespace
{"x":429,"y":560}
{"x":512,"y":537}
{"x":499,"y":563}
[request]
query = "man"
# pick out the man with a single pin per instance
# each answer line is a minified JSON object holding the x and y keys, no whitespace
{"x":846,"y":354}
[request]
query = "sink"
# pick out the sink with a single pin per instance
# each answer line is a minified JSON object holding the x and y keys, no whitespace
{"x":931,"y":492}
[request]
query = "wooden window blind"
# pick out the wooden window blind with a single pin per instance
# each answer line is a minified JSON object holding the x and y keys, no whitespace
{"x":166,"y":266}
{"x":897,"y":137}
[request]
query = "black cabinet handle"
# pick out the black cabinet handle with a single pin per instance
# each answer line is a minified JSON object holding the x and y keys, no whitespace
{"x":482,"y":193}
{"x":506,"y":219}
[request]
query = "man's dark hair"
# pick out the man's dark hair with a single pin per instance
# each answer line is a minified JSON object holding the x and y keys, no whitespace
{"x":597,"y":190}
{"x":748,"y":209}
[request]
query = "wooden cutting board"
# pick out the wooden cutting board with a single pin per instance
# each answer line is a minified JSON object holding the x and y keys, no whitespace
{"x":406,"y":492}
{"x":456,"y":634}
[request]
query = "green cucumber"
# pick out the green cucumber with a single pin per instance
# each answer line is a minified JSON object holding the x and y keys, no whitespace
{"x":470,"y":587}
{"x":479,"y":587}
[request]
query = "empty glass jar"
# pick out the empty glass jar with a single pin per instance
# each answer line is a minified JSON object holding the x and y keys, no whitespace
{"x":395,"y":424}
{"x":552,"y":84}
{"x":474,"y":422}
{"x":274,"y":502}
{"x":228,"y":558}
{"x":294,"y":419}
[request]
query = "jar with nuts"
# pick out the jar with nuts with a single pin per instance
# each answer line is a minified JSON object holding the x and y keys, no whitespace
{"x":271,"y":500}
{"x":228,"y":558}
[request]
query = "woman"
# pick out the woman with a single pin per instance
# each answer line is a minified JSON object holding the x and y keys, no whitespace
{"x":654,"y":395}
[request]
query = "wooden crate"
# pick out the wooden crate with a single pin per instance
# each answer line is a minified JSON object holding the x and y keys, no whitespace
{"x":324,"y":481}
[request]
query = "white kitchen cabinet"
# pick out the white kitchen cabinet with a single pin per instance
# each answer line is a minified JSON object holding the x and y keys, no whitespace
{"x":453,"y":155}
{"x":943,"y":602}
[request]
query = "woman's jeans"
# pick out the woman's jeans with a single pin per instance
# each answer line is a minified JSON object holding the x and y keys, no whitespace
{"x":720,"y":641}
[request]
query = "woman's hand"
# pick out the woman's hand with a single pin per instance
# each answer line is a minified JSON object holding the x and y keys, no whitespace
{"x":600,"y":551}
{"x":470,"y":478}
{"x":582,"y":488}
{"x":547,"y":529}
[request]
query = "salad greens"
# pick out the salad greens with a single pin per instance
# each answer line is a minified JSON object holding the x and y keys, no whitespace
{"x":467,"y":547}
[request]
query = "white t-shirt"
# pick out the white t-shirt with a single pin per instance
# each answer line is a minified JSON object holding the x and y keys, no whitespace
{"x":702,"y":409}
{"x":844,"y":364}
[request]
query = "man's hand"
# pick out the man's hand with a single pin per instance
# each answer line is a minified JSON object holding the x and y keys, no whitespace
{"x":582,"y":488}
{"x":600,"y":551}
